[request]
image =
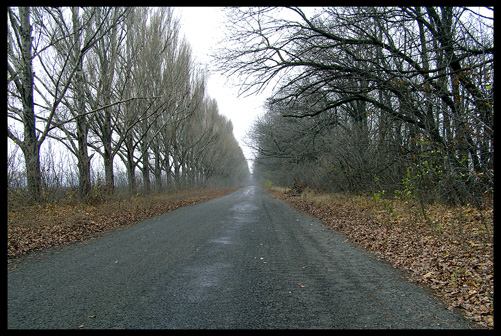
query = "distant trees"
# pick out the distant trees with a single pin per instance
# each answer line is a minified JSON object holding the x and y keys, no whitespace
{"x":371,"y":96}
{"x":119,"y":82}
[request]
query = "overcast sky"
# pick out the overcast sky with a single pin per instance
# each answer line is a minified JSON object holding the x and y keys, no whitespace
{"x":202,"y":27}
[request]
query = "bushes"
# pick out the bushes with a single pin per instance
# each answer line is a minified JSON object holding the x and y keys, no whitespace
{"x":297,"y":188}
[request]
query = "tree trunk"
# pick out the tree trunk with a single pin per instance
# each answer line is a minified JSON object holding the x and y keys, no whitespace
{"x":31,"y":153}
{"x":30,"y":145}
{"x":83,"y":160}
{"x":131,"y":167}
{"x":82,"y":127}
{"x":108,"y":154}
{"x":177,"y":175}
{"x":158,"y":171}
{"x":108,"y":70}
{"x":146,"y":172}
{"x":108,"y":169}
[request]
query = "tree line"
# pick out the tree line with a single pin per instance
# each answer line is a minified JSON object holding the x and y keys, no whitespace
{"x":371,"y":99}
{"x":110,"y":83}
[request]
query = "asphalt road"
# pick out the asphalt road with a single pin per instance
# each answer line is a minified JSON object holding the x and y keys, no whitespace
{"x":243,"y":261}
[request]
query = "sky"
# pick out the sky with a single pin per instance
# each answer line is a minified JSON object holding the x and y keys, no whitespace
{"x":202,"y":27}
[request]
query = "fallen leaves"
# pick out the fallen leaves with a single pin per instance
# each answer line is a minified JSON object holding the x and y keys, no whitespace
{"x":36,"y":228}
{"x":454,"y":256}
{"x":427,"y":275}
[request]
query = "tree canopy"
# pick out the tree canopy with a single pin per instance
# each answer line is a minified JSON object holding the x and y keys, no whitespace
{"x":119,"y":82}
{"x":367,"y":97}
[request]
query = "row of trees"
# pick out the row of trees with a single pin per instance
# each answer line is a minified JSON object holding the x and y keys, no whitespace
{"x":120,"y":83}
{"x":368,"y":98}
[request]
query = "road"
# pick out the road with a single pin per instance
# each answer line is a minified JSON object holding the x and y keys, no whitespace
{"x":243,"y":261}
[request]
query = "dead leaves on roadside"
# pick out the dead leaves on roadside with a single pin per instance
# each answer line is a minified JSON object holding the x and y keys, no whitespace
{"x":39,"y":227}
{"x":460,"y":270}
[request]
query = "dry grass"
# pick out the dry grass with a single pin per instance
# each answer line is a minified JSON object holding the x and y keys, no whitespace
{"x":280,"y":189}
{"x":449,"y":222}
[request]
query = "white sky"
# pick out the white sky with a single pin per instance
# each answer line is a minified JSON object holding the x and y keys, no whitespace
{"x":202,"y":27}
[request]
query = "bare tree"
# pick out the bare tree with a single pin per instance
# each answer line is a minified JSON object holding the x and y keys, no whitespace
{"x":102,"y":71}
{"x":117,"y":82}
{"x":427,"y":71}
{"x":59,"y":52}
{"x":21,"y":103}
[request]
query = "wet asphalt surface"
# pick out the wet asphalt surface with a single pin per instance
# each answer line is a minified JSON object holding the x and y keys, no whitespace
{"x":243,"y":261}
